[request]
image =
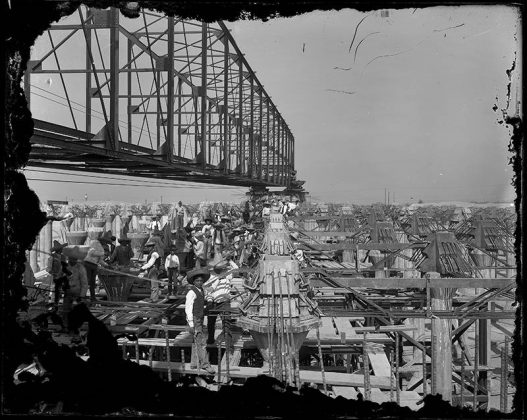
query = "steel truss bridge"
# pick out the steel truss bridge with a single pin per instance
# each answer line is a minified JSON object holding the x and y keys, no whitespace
{"x":157,"y":97}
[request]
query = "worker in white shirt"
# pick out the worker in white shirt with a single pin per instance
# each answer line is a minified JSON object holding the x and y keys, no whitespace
{"x":156,"y":248}
{"x":207,"y":230}
{"x":195,"y":314}
{"x":155,"y":223}
{"x":172,"y":269}
{"x":199,"y":250}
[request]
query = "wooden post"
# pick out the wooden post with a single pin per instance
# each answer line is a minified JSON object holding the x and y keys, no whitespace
{"x":366,"y":364}
{"x":397,"y":379}
{"x":476,"y":367}
{"x":441,"y":299}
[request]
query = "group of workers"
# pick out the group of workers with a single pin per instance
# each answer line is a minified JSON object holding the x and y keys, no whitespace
{"x":215,"y":244}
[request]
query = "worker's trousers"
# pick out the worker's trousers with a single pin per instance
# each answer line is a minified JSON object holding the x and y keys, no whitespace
{"x":199,"y":347}
{"x":155,"y":291}
{"x":172,"y":273}
{"x":91,"y":273}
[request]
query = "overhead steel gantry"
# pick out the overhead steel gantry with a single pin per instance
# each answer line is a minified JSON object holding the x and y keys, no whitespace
{"x":155,"y":96}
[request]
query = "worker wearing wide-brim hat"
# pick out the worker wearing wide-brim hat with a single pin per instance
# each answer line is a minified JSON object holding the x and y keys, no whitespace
{"x":195,"y":314}
{"x":218,"y":240}
{"x":123,"y":253}
{"x":172,"y":265}
{"x":156,"y":252}
{"x":107,"y":241}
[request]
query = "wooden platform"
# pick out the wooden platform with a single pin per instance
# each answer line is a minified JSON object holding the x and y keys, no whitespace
{"x":332,"y":378}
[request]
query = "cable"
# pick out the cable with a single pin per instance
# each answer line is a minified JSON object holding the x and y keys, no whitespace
{"x":105,"y":177}
{"x":83,"y":111}
{"x":121,"y":185}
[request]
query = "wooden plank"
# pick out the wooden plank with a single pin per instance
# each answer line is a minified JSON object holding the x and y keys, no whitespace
{"x":329,"y":234}
{"x":389,"y":246}
{"x":379,"y":362}
{"x":348,"y":392}
{"x":441,"y":283}
{"x":344,"y":326}
{"x":327,"y":330}
{"x":376,"y":395}
{"x":410,"y":399}
{"x":332,"y":378}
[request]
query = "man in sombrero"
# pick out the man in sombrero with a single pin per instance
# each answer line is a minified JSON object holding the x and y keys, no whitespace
{"x":107,"y":241}
{"x":123,"y":253}
{"x":195,"y":314}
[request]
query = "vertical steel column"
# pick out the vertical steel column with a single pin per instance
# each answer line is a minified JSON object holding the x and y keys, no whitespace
{"x":170,"y":91}
{"x":291,"y":158}
{"x":204,"y":92}
{"x":275,"y":135}
{"x":241,"y":145}
{"x":441,"y":299}
{"x":282,"y":152}
{"x":159,"y":113}
{"x":288,"y":167}
{"x":251,"y":131}
{"x":226,"y":130}
{"x":128,"y":90}
{"x":462,"y":374}
{"x":268,"y":140}
{"x":209,"y":132}
{"x":260,"y":137}
{"x":277,"y":148}
{"x":114,"y":77}
{"x":179,"y":104}
{"x":87,"y":34}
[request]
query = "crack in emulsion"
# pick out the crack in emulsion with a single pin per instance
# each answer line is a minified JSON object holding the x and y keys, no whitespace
{"x":509,"y":85}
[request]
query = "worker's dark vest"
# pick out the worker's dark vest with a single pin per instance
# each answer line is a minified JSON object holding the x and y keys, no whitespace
{"x":199,"y":302}
{"x":157,"y":262}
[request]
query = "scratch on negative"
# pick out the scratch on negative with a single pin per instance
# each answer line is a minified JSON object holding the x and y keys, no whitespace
{"x":450,"y":27}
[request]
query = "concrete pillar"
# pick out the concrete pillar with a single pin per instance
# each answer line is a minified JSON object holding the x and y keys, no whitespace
{"x":418,"y":335}
{"x":441,"y":299}
{"x":33,"y":255}
{"x":42,"y":255}
{"x":48,"y":238}
{"x":117,"y":227}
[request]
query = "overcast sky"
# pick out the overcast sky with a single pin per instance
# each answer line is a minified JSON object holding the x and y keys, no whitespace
{"x":410,"y":109}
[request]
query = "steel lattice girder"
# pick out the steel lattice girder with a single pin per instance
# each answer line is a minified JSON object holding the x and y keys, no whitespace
{"x":162,"y":92}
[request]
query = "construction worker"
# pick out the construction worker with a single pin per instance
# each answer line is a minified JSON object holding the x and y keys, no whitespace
{"x":155,"y":255}
{"x":77,"y":286}
{"x":57,"y":266}
{"x":155,"y":224}
{"x":92,"y":261}
{"x":200,"y":251}
{"x":107,"y":241}
{"x":218,"y":240}
{"x":172,"y":269}
{"x":195,"y":313}
{"x":123,"y":253}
